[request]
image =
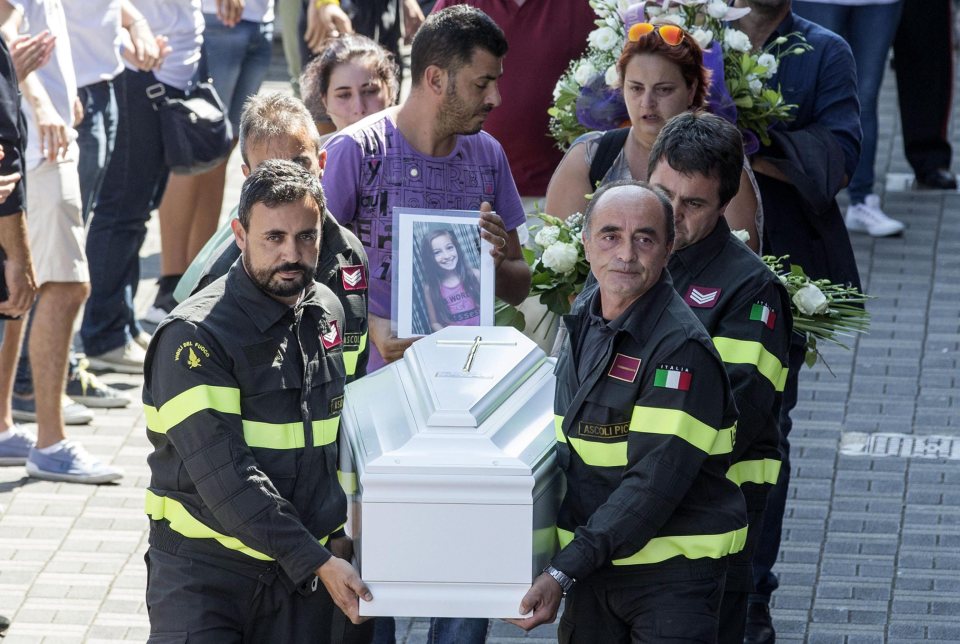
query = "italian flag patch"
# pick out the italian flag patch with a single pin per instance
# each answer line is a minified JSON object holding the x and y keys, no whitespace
{"x":673,"y":378}
{"x":763,"y":313}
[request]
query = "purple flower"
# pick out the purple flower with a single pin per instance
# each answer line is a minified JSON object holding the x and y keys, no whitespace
{"x":600,"y":107}
{"x":719,"y":101}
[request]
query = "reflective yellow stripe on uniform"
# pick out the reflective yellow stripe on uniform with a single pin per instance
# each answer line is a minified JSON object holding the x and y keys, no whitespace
{"x":181,"y":521}
{"x":753,"y":353}
{"x":351,"y":356}
{"x":185,"y":404}
{"x":691,"y":546}
{"x":593,"y":453}
{"x":760,"y":471}
{"x":673,"y":422}
{"x":348,"y":481}
{"x":289,"y":435}
{"x":558,"y":428}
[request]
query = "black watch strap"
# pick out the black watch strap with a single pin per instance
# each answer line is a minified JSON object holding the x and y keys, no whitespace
{"x":566,"y":582}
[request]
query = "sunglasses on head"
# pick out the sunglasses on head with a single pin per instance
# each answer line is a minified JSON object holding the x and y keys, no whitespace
{"x":670,"y":34}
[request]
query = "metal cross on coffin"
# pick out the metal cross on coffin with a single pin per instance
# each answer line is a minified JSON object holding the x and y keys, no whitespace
{"x":474,"y":345}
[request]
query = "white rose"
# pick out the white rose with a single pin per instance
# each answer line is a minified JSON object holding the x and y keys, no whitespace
{"x":653,"y":12}
{"x":612,"y":76}
{"x":755,"y":84}
{"x":810,"y":300}
{"x":547,"y":235}
{"x":560,"y":257}
{"x":603,"y":38}
{"x":770,"y":62}
{"x":584,"y":73}
{"x":717,"y":9}
{"x":703,"y":37}
{"x":673,"y":19}
{"x":736,"y":40}
{"x":741,"y":234}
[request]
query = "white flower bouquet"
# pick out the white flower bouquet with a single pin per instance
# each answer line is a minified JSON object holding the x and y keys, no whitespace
{"x":587,"y":96}
{"x":822,"y":310}
{"x":558,"y":269}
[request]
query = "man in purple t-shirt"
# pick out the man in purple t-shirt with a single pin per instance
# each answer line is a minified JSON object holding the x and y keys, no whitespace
{"x":430,"y":153}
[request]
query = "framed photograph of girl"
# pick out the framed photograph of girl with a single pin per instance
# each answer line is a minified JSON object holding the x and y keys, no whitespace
{"x":444,"y":272}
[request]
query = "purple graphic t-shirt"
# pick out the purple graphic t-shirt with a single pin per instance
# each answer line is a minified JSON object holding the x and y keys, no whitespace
{"x":371,"y":168}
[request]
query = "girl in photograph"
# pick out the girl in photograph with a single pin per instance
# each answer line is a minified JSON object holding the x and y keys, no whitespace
{"x":452,"y":290}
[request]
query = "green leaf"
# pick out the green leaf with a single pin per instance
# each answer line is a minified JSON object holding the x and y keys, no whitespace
{"x":557,"y":300}
{"x":508,"y":315}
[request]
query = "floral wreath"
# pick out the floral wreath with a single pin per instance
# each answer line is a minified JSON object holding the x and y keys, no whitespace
{"x":588,"y":97}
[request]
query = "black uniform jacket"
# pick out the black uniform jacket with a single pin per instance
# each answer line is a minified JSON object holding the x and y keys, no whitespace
{"x":342,"y":267}
{"x":745,"y":309}
{"x":645,"y":443}
{"x":242,"y":396}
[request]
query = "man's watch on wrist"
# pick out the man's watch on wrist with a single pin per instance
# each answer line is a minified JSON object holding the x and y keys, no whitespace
{"x":566,"y":582}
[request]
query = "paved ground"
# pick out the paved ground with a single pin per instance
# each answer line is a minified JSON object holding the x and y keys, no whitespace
{"x":871,"y":544}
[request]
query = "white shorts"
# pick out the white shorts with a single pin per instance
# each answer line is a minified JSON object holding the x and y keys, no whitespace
{"x":55,"y":223}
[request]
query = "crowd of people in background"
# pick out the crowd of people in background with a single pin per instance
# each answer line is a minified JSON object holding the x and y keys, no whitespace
{"x":82,"y":170}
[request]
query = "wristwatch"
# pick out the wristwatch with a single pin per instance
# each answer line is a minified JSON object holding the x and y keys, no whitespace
{"x":566,"y":582}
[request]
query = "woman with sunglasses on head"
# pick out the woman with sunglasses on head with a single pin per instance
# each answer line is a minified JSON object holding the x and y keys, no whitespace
{"x":662,"y":75}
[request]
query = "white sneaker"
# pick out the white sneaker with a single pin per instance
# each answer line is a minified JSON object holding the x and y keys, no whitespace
{"x":868,"y":217}
{"x":143,"y":339}
{"x":24,"y":410}
{"x":126,"y":359}
{"x":72,"y":464}
{"x":15,"y":448}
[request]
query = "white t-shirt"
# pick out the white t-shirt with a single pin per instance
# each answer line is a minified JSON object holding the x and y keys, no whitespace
{"x":57,"y":76}
{"x":94,"y":39}
{"x":182,"y":23}
{"x":253,"y":10}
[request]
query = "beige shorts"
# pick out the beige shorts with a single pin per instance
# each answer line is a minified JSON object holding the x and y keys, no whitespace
{"x":55,"y":223}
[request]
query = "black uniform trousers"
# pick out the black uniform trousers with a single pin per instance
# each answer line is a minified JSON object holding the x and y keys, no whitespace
{"x":923,"y":58}
{"x":636,"y":609}
{"x":739,"y":585}
{"x":202,"y":599}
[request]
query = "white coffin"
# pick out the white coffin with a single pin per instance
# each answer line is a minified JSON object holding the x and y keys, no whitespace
{"x":457,"y":484}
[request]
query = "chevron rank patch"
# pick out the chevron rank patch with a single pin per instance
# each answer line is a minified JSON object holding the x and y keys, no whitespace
{"x":624,"y":368}
{"x":332,"y":337}
{"x":702,"y":297}
{"x":670,"y":377}
{"x":353,"y":278}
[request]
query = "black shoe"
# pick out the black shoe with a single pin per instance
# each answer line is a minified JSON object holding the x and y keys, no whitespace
{"x":937,"y":180}
{"x":4,"y":625}
{"x":759,"y":625}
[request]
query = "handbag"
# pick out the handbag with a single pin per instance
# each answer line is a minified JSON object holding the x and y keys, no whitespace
{"x":195,"y":130}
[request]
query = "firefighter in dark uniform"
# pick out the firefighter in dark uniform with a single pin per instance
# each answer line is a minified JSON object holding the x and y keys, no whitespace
{"x":243,"y":390}
{"x":697,"y":160}
{"x":645,"y":424}
{"x":342,"y":267}
{"x":277,"y":126}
